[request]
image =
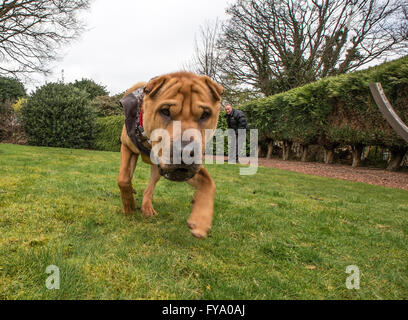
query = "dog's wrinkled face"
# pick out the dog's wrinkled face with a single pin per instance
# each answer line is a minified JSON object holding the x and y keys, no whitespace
{"x":177,"y":103}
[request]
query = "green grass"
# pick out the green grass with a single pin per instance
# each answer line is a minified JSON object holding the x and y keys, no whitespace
{"x":276,"y":235}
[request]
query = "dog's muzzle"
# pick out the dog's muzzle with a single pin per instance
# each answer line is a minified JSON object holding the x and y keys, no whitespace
{"x":178,"y":172}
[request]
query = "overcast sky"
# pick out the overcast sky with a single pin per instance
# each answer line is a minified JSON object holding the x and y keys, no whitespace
{"x":131,"y":40}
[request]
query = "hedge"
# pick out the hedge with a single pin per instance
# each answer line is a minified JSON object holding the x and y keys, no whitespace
{"x":335,"y":111}
{"x":107,"y":133}
{"x":91,"y":87}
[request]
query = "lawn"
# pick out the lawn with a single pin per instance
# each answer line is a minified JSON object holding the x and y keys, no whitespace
{"x":276,"y":234}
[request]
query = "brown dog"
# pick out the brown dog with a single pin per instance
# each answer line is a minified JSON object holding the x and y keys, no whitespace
{"x":193,"y":100}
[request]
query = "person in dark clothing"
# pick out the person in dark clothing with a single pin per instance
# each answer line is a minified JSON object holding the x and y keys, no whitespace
{"x":236,"y":120}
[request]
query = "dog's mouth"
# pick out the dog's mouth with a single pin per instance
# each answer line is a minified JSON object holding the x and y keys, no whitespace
{"x":174,"y":173}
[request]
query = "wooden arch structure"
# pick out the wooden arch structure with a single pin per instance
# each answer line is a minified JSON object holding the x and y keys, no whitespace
{"x":388,"y":111}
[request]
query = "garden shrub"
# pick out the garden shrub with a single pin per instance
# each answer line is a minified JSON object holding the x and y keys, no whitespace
{"x":5,"y":114}
{"x":91,"y":87}
{"x":106,"y":106}
{"x":19,"y":103}
{"x":107,"y":133}
{"x":59,"y":115}
{"x":10,"y":90}
{"x":11,"y":130}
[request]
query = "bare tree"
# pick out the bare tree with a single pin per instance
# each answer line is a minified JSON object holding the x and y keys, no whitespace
{"x":205,"y":60}
{"x":31,"y":32}
{"x":276,"y":45}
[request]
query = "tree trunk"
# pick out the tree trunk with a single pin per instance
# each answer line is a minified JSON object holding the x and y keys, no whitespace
{"x":304,"y":152}
{"x":328,"y":155}
{"x":397,"y":155}
{"x":270,"y":149}
{"x":259,"y":150}
{"x":286,"y":150}
{"x":366,"y":152}
{"x":357,"y":151}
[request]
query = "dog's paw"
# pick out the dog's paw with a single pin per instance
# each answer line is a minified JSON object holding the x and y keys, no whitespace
{"x":127,"y":211}
{"x":128,"y":207}
{"x":199,"y":232}
{"x":148,"y":211}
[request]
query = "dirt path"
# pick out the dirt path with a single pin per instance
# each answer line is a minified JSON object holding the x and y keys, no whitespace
{"x":367,"y":175}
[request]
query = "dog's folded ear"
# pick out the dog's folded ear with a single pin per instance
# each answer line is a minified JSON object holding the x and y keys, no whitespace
{"x":154,"y":85}
{"x":216,"y":89}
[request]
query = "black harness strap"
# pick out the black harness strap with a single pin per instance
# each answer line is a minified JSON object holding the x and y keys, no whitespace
{"x":132,"y":107}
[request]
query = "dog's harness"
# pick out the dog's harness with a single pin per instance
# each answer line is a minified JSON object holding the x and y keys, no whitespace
{"x":133,"y":108}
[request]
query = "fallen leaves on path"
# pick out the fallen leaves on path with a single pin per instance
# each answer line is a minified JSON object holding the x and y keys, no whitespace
{"x":367,"y":175}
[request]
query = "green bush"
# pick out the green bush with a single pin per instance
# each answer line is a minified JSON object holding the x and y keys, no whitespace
{"x":91,"y":87}
{"x":59,"y":115}
{"x":11,"y":130}
{"x":6,"y":111}
{"x":106,"y":106}
{"x":107,"y":133}
{"x":10,"y":90}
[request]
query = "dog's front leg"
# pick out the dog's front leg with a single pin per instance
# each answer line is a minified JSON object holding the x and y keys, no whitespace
{"x":127,"y":167}
{"x":203,"y":203}
{"x":147,"y":205}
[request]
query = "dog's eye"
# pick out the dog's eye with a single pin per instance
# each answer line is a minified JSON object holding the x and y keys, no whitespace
{"x":165,"y":112}
{"x":205,"y":115}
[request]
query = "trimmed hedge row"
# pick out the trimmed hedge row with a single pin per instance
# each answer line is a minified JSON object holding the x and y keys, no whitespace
{"x":335,"y":111}
{"x":107,"y":133}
